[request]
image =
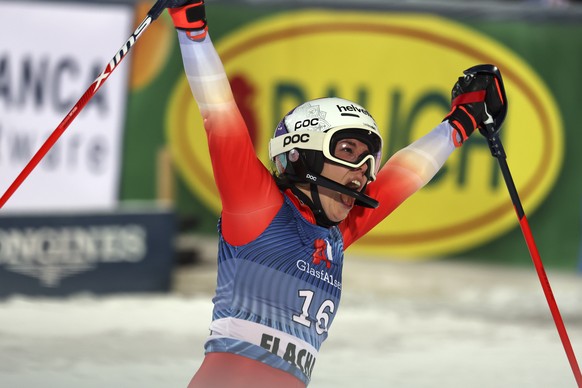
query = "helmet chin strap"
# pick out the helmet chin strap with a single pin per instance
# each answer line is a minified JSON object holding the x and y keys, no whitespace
{"x":315,"y":205}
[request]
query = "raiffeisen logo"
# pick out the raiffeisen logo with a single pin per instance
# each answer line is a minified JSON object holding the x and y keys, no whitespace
{"x":401,"y":68}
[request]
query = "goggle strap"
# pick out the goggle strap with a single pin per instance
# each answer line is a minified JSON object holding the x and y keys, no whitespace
{"x":307,"y":140}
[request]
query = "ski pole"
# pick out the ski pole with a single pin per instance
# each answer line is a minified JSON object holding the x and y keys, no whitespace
{"x":491,"y":132}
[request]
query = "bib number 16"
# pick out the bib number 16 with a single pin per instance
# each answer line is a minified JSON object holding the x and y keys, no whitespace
{"x":322,"y":317}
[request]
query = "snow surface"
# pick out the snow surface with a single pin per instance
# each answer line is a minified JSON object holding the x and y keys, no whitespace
{"x":401,"y":324}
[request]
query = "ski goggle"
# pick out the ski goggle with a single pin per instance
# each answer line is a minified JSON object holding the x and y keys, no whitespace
{"x":336,"y":146}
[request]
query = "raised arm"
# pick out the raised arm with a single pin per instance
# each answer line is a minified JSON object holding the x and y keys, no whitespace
{"x":250,"y":198}
{"x":475,"y":101}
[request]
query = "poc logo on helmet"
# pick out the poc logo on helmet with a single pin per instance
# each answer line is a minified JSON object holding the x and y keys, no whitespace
{"x":296,"y":138}
{"x":314,"y":122}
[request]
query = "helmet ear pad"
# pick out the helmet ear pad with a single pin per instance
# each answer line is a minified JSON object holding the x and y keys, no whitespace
{"x":300,"y":162}
{"x":313,"y":160}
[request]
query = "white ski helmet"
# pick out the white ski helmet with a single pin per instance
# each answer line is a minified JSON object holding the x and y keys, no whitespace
{"x":307,"y":136}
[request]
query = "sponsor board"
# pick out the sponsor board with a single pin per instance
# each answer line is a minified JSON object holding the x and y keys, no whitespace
{"x":54,"y":53}
{"x":100,"y":253}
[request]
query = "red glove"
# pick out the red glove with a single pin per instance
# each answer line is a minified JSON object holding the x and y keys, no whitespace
{"x":476,"y":100}
{"x":190,"y":16}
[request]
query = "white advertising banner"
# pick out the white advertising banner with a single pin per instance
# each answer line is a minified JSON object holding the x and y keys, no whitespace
{"x":50,"y":53}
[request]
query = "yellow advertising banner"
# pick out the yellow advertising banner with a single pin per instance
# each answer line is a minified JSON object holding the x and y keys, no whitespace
{"x":401,"y":67}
